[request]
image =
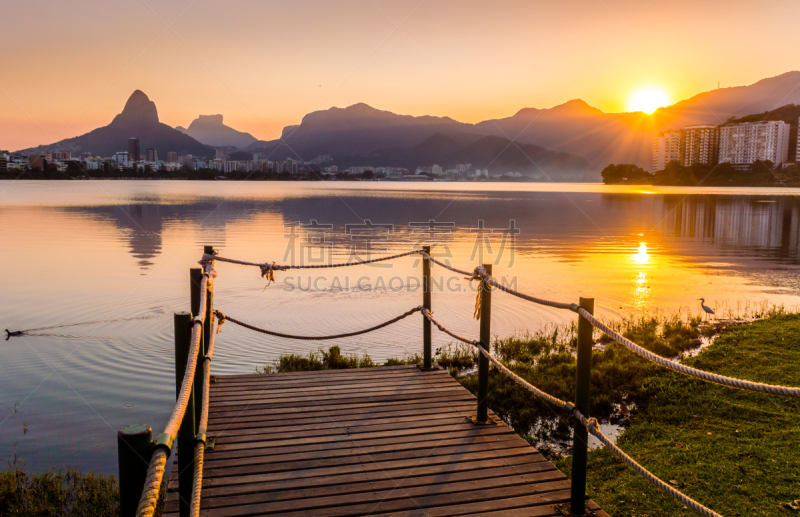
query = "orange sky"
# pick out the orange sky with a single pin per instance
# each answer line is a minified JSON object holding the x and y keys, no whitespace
{"x":70,"y":66}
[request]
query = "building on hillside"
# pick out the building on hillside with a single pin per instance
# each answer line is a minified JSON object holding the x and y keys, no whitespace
{"x":797,"y":151}
{"x":152,"y":155}
{"x":134,"y":153}
{"x":700,"y":145}
{"x":743,"y":144}
{"x":62,"y":155}
{"x":172,"y":157}
{"x":667,"y":148}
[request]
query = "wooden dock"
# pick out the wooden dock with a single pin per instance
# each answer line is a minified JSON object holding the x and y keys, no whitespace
{"x":389,"y":441}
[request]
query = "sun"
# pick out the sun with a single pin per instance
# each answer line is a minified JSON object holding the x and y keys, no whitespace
{"x":648,"y":100}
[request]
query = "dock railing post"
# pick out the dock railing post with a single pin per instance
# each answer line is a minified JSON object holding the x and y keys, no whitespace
{"x":582,"y":386}
{"x":134,"y":448}
{"x":486,"y":336}
{"x":195,"y":280}
{"x":187,"y":429}
{"x":426,"y":302}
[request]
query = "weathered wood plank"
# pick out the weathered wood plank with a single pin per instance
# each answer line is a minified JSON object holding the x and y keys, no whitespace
{"x":393,"y":441}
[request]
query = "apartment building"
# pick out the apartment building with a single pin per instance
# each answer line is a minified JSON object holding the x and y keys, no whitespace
{"x":667,"y":147}
{"x":743,"y":144}
{"x":797,"y":151}
{"x":700,"y":145}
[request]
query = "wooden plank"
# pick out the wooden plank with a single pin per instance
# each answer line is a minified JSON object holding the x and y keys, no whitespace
{"x":392,"y":414}
{"x":401,"y":496}
{"x":409,"y":441}
{"x":385,"y":441}
{"x":536,"y":463}
{"x":340,"y":398}
{"x":361,"y":458}
{"x":324,"y":389}
{"x":386,"y":467}
{"x":272,"y":413}
{"x":437,"y":504}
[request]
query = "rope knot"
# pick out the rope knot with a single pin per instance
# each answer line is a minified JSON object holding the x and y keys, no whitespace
{"x":220,"y":320}
{"x":592,"y":423}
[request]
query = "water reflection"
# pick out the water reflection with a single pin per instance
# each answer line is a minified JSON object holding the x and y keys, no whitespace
{"x":85,"y":254}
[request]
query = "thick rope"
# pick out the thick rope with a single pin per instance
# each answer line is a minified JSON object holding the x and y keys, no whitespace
{"x":500,"y":366}
{"x":593,"y":427}
{"x":406,"y":314}
{"x":785,"y":391}
{"x":267,"y":268}
{"x":155,"y":472}
{"x":591,"y":424}
{"x":199,"y":448}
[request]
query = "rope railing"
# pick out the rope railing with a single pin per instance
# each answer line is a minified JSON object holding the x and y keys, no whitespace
{"x":406,"y":314}
{"x":267,"y":268}
{"x":200,"y":441}
{"x":772,"y":389}
{"x":591,"y":424}
{"x":163,"y":445}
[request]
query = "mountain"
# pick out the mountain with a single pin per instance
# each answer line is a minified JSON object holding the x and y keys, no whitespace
{"x":574,"y":127}
{"x":210,"y":130}
{"x":604,"y":138}
{"x":496,"y":153}
{"x":139,"y":119}
{"x":355,"y":130}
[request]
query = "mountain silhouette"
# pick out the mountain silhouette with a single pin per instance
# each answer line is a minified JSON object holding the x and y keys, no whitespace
{"x":355,"y":130}
{"x":496,"y":153}
{"x":210,"y":130}
{"x":139,"y":119}
{"x":573,"y":127}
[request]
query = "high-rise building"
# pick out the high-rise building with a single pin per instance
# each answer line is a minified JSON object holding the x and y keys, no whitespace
{"x":742,"y":144}
{"x":133,"y":149}
{"x":797,"y":151}
{"x":62,"y":155}
{"x":700,"y":145}
{"x":152,"y":155}
{"x":172,"y":157}
{"x":667,"y":148}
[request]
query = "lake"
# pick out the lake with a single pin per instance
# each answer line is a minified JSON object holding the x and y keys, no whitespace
{"x":105,"y":264}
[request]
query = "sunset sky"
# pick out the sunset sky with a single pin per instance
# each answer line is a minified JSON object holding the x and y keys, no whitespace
{"x":70,"y":66}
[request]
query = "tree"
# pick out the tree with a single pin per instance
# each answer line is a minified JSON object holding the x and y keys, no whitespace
{"x":625,"y":173}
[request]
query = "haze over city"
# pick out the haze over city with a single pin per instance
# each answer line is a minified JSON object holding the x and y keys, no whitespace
{"x":264,"y":65}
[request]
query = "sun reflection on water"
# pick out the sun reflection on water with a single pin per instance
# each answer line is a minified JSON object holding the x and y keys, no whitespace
{"x":641,"y":256}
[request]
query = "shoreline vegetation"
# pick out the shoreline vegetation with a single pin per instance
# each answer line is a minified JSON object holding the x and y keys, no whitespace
{"x":760,"y":174}
{"x":734,"y":451}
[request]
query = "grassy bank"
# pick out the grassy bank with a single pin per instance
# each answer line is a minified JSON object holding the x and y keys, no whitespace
{"x":734,"y":451}
{"x":58,"y":493}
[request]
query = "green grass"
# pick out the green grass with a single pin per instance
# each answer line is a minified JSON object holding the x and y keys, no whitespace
{"x":58,"y":493}
{"x":734,"y":451}
{"x":331,"y":359}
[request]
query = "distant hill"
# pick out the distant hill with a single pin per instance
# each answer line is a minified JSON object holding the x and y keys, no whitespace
{"x":574,"y":127}
{"x":210,"y":130}
{"x":139,"y":119}
{"x":355,"y":130}
{"x":498,"y":154}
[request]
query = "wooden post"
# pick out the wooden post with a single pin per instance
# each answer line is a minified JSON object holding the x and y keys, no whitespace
{"x":134,"y":448}
{"x":195,"y":279}
{"x":486,"y":336}
{"x":581,"y":435}
{"x":426,"y":302}
{"x":187,"y":429}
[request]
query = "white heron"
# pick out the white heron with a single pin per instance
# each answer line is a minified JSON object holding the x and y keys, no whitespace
{"x":705,"y":307}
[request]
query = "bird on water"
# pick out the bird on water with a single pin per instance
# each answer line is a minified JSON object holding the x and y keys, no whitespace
{"x":705,"y":307}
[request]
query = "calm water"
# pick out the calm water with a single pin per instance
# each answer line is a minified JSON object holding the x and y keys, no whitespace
{"x":117,"y":254}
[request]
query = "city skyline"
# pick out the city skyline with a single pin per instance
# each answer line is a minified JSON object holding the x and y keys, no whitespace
{"x":472,"y":62}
